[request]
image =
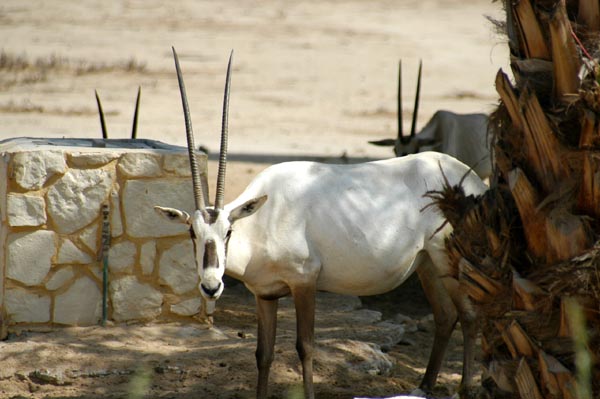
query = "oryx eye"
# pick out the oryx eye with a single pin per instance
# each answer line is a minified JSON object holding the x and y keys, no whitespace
{"x":192,"y":233}
{"x":228,"y":235}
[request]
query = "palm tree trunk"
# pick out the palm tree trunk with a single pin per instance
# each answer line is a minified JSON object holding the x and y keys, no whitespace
{"x":527,"y":251}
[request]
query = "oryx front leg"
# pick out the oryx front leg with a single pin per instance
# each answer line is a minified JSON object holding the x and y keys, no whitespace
{"x":304,"y":301}
{"x":267,"y":327}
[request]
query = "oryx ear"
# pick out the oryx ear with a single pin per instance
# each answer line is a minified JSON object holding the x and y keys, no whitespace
{"x":384,"y":142}
{"x":247,"y":208}
{"x":174,"y":215}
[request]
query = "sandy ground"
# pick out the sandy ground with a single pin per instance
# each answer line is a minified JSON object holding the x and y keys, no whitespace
{"x":312,"y":79}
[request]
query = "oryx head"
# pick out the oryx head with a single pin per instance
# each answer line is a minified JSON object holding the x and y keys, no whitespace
{"x":404,"y":145}
{"x":209,"y":226}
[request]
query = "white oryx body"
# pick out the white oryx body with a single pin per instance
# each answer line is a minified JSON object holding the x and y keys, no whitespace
{"x":301,"y":227}
{"x":349,"y":229}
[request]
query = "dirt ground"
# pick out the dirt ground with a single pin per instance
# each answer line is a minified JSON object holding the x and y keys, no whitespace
{"x":357,"y":354}
{"x":312,"y":80}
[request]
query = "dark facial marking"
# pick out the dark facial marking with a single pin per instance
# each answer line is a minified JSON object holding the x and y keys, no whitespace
{"x":210,"y":255}
{"x":193,"y":236}
{"x":227,"y":237}
{"x":211,"y":216}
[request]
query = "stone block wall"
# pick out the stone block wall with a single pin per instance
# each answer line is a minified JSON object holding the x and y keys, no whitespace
{"x":51,"y":197}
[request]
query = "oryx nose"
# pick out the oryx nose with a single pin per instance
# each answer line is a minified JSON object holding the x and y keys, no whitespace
{"x":210,"y":292}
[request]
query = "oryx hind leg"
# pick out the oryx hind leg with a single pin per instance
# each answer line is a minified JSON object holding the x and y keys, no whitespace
{"x":445,"y":316}
{"x":304,"y":301}
{"x":468,"y":323}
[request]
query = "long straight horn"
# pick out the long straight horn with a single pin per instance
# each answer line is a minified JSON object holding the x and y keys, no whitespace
{"x":135,"y":114}
{"x":224,"y":133}
{"x":101,"y":112}
{"x":413,"y":127}
{"x":198,"y":197}
{"x":400,"y":130}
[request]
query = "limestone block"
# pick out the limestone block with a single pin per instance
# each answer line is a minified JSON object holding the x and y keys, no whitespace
{"x":140,"y":197}
{"x":148,"y":257}
{"x":69,"y":253}
{"x":25,"y":306}
{"x":80,"y":305}
{"x":90,"y":239}
{"x":179,"y":163}
{"x":133,"y":300}
{"x":188,"y":307}
{"x":59,"y":278}
{"x":29,"y":256}
{"x":116,"y":221}
{"x":177,"y":268}
{"x":139,"y":164}
{"x":121,"y":257}
{"x":25,"y":210}
{"x":4,"y":189}
{"x":32,"y":169}
{"x":75,"y":200}
{"x":92,"y":159}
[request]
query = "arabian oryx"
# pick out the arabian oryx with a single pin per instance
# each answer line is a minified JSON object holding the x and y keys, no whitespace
{"x":464,"y":136}
{"x":351,"y":229}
